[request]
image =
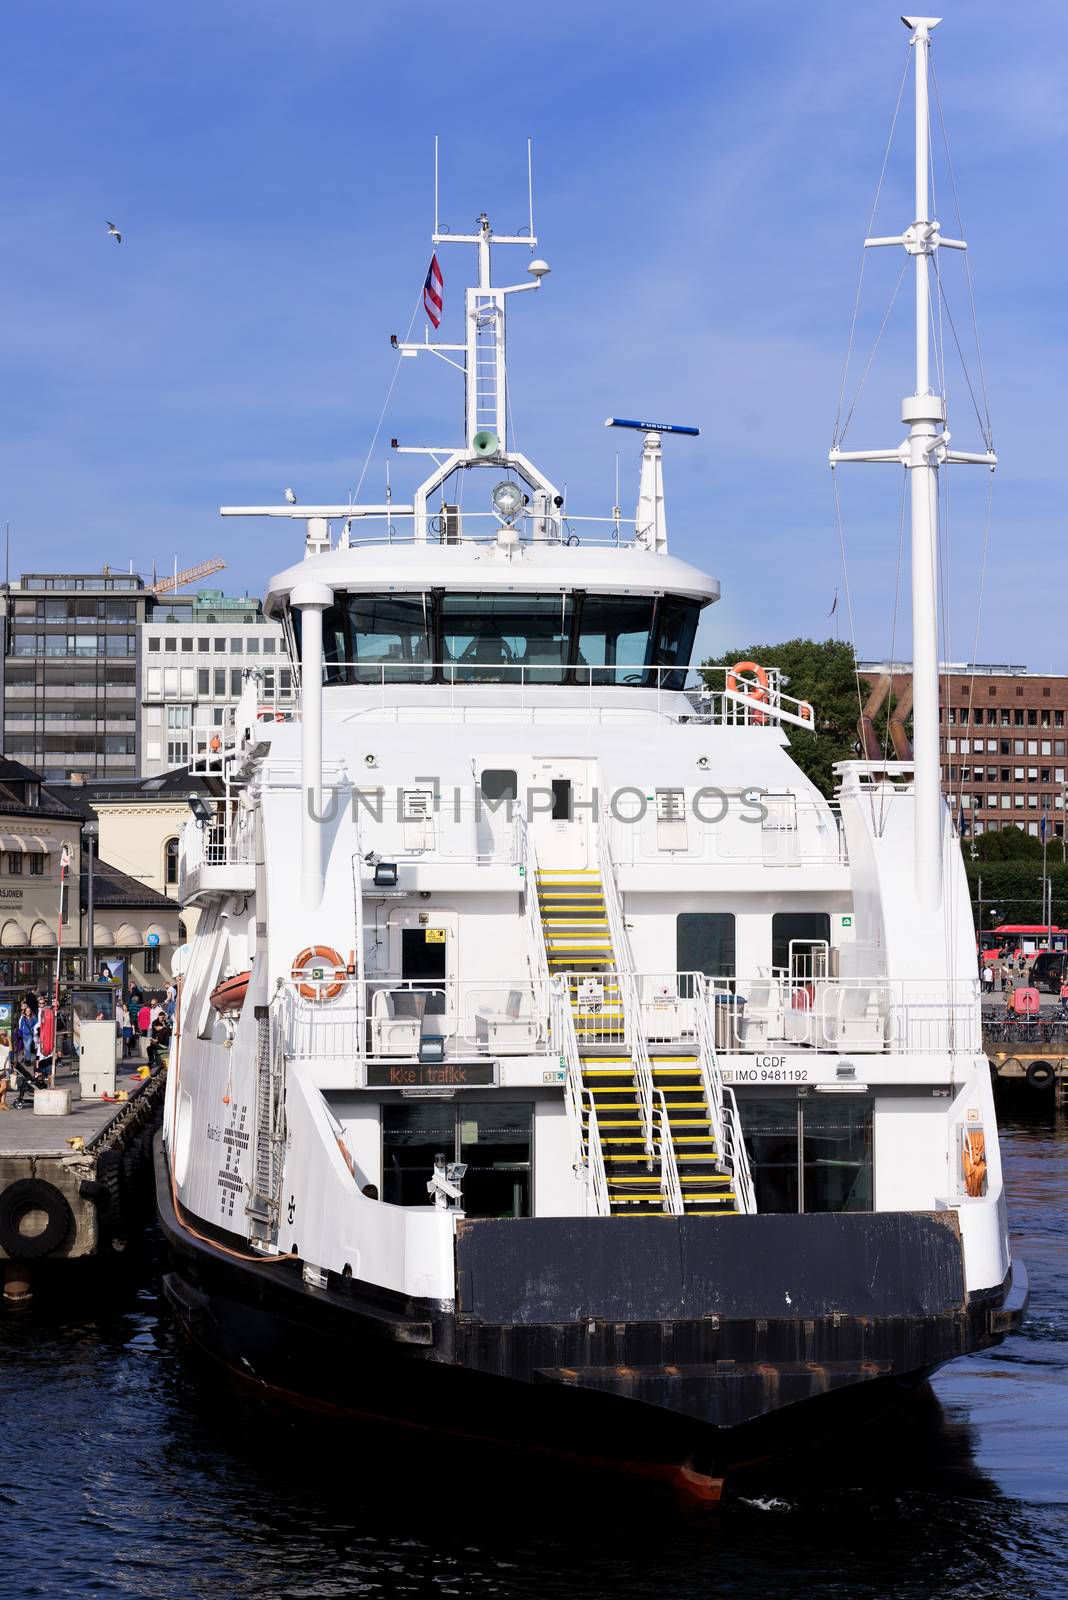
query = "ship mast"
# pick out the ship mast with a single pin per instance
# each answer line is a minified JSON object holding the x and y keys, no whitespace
{"x":921,"y":454}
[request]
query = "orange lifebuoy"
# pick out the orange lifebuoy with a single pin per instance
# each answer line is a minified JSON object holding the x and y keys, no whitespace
{"x":215,"y":744}
{"x":807,"y":712}
{"x":754,"y":691}
{"x":320,"y":988}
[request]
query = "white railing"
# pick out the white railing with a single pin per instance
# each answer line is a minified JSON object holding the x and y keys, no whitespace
{"x":225,"y":840}
{"x":602,"y":1204}
{"x":670,"y":1182}
{"x":581,"y":1110}
{"x":682,"y":694}
{"x":723,"y":1112}
{"x":866,"y":1015}
{"x":754,"y":828}
{"x":412,"y":824}
{"x":386,"y":1018}
{"x":527,"y":854}
{"x":737,"y":1156}
{"x":628,"y":988}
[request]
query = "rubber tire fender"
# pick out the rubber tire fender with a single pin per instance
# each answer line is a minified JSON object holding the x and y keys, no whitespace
{"x":21,"y":1195}
{"x":1040,"y":1075}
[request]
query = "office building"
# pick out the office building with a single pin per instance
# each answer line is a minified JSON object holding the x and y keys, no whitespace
{"x":69,"y":672}
{"x":195,"y":653}
{"x":1003,"y":738}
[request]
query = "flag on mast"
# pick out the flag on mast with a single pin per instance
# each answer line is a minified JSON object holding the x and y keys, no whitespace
{"x":434,"y":291}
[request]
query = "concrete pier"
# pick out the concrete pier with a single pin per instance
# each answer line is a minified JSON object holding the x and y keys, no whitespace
{"x":76,"y":1185}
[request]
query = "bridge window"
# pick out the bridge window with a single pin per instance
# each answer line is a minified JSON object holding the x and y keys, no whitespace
{"x":372,"y":638}
{"x":614,"y":639}
{"x":508,"y":638}
{"x":487,"y":637}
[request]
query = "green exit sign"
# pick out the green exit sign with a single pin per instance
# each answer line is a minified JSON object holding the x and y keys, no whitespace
{"x":847,"y":922}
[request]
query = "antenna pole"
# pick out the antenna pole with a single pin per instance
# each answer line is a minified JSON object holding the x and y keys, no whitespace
{"x":921,"y":454}
{"x":436,"y":228}
{"x":925,"y":413}
{"x":530,"y":189}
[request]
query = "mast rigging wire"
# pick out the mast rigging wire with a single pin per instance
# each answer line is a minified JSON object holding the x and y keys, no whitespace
{"x":988,"y":433}
{"x":385,"y":404}
{"x":836,"y":437}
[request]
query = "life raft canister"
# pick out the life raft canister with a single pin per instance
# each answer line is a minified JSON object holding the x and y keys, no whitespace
{"x":319,"y":973}
{"x":755,"y":691}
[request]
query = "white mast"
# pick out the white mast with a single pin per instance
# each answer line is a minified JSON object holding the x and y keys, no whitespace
{"x":926,"y":447}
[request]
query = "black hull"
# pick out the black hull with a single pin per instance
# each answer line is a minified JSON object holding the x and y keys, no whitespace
{"x":681,"y":1397}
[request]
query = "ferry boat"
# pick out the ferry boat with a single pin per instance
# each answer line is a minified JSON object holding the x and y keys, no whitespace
{"x":554,"y":1063}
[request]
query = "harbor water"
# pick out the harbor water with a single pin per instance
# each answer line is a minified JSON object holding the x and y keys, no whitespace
{"x":126,"y":1469}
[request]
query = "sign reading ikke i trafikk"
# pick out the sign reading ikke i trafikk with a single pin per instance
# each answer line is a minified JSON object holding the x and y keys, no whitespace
{"x":429,"y":1074}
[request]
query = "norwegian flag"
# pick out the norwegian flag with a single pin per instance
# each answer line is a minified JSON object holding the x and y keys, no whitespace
{"x":433,"y":291}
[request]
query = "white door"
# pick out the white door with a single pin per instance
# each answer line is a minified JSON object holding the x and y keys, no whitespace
{"x":558,"y":808}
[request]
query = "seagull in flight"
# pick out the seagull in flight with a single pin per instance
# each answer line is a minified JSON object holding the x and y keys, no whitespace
{"x":290,"y":498}
{"x":114,"y":233}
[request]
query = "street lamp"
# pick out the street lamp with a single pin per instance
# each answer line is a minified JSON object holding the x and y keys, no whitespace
{"x":90,"y":832}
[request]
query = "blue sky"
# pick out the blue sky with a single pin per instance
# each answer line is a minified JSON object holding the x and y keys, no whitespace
{"x":703,"y":180}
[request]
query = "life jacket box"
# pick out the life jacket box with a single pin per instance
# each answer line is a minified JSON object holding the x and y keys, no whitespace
{"x":96,"y":1068}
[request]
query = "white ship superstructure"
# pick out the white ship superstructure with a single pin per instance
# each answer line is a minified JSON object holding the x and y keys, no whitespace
{"x":550,"y":1045}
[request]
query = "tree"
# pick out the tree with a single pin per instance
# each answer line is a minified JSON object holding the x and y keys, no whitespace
{"x":825,"y":674}
{"x":1003,"y":844}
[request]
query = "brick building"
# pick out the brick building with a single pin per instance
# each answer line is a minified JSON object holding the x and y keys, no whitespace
{"x":1004,"y":743}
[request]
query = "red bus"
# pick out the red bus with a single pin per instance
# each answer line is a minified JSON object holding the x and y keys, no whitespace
{"x":1025,"y":936}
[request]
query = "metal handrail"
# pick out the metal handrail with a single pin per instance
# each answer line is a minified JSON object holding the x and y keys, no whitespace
{"x":589,"y":1156}
{"x":628,"y":988}
{"x":670,"y":1182}
{"x":722,"y":1105}
{"x":683,"y":693}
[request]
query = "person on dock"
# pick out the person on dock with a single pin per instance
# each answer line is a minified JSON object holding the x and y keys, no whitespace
{"x":8,"y":1079}
{"x":25,"y":1033}
{"x":159,"y":1039}
{"x":144,"y":1019}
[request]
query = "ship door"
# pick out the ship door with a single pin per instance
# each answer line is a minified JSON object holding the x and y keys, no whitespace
{"x":559,"y":809}
{"x":422,"y":955}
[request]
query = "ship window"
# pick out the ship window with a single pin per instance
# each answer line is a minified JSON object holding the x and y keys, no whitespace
{"x":704,"y":942}
{"x":494,"y":1137}
{"x":614,"y":639}
{"x":499,"y":784}
{"x":770,"y":1129}
{"x":836,"y":1148}
{"x":800,"y":934}
{"x":371,"y":638}
{"x":505,"y":638}
{"x":675,"y":629}
{"x":809,"y":1154}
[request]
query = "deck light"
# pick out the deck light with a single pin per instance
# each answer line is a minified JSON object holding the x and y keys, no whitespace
{"x":508,"y":499}
{"x":200,"y":809}
{"x":385,"y":874}
{"x":432,"y":1048}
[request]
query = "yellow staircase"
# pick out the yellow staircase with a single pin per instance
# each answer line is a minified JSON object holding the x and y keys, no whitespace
{"x":578,"y":942}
